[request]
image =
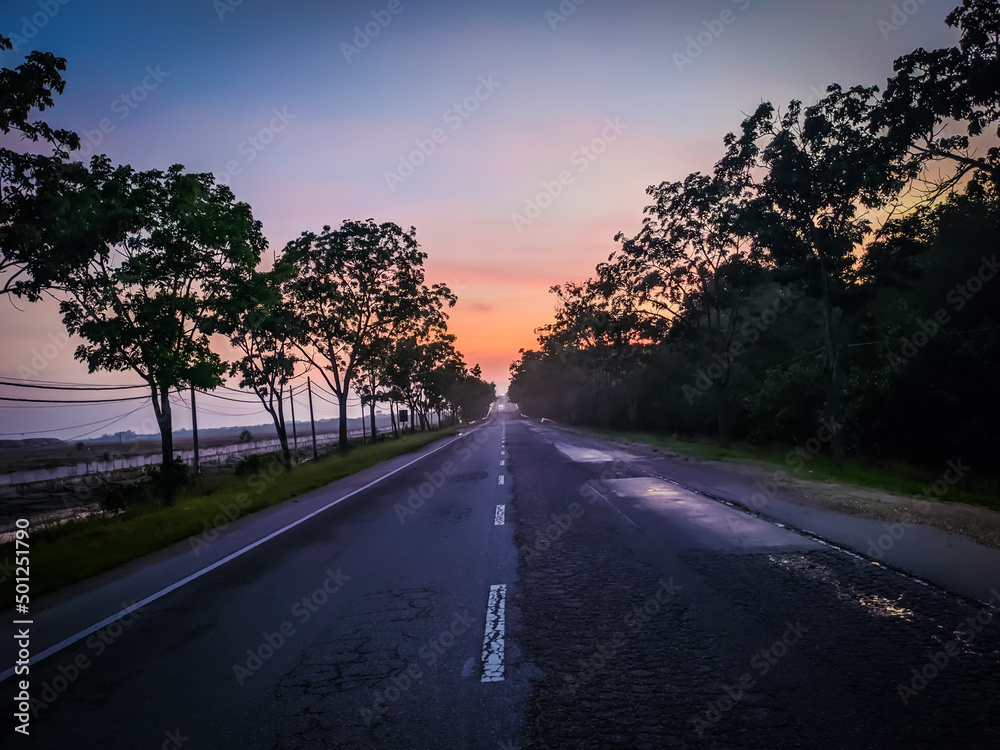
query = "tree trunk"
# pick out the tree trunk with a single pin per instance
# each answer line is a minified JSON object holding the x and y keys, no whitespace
{"x":371,"y":411}
{"x":392,"y":418}
{"x":161,"y":407}
{"x":279,"y":425}
{"x":342,"y":403}
{"x":832,"y":360}
{"x":722,"y":416}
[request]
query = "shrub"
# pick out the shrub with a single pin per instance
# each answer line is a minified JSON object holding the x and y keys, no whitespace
{"x":257,"y":463}
{"x":119,"y":497}
{"x":181,"y":475}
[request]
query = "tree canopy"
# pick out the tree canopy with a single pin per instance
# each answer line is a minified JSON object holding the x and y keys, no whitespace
{"x":833,"y":275}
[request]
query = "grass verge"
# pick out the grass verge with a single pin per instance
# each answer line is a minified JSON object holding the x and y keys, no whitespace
{"x":82,"y":549}
{"x":896,"y":477}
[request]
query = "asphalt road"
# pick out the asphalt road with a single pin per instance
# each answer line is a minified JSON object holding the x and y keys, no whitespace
{"x":610,"y":608}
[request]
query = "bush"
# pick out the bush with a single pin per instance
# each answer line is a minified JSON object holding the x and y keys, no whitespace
{"x":120,"y":497}
{"x":785,"y":405}
{"x":181,"y":476}
{"x":257,"y":463}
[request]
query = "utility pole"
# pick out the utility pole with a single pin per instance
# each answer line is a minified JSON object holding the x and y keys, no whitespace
{"x":312,"y":419}
{"x":194,"y":429}
{"x":295,"y":435}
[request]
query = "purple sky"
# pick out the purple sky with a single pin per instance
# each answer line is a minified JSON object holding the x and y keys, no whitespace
{"x":517,"y":138}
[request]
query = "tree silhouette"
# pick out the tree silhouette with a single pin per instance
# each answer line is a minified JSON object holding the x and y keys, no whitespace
{"x":688,"y":269}
{"x":143,"y":304}
{"x":255,"y":317}
{"x":34,"y":247}
{"x":823,"y":168}
{"x":936,"y":95}
{"x":352,"y":287}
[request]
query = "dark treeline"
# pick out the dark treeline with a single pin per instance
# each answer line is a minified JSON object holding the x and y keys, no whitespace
{"x":835,"y":276}
{"x":149,"y":266}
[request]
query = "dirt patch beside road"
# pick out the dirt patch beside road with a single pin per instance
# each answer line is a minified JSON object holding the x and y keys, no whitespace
{"x":981,"y":525}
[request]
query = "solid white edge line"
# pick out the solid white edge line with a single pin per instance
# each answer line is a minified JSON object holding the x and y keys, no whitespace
{"x":66,"y":642}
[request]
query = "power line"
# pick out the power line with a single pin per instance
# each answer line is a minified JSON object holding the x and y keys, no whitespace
{"x":203,"y":410}
{"x":323,"y":398}
{"x":74,"y":387}
{"x":235,"y":400}
{"x":66,"y":429}
{"x":106,"y":426}
{"x":71,"y":401}
{"x":41,"y":381}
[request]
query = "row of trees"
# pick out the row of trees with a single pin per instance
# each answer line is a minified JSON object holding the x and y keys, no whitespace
{"x":835,"y":266}
{"x":150,"y":266}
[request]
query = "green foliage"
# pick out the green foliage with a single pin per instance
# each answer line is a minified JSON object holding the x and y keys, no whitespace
{"x":164,"y":479}
{"x":124,"y":496}
{"x":145,"y":301}
{"x":30,"y":216}
{"x":260,"y":326}
{"x":787,"y":401}
{"x":258,"y":464}
{"x":358,"y":293}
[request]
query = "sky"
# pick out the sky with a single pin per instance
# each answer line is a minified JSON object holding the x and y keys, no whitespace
{"x":518,"y":137}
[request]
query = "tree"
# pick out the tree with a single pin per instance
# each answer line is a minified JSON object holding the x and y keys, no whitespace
{"x":689,"y":269}
{"x":373,"y":376}
{"x":543,"y":385}
{"x":260,"y":326}
{"x":470,"y":396}
{"x":438,"y":366}
{"x":598,"y":333}
{"x":937,"y":94}
{"x":824,"y":167}
{"x":352,"y":287}
{"x":28,"y":87}
{"x":418,"y":368}
{"x":70,"y":215}
{"x":33,"y":242}
{"x":143,"y":304}
{"x":592,"y":355}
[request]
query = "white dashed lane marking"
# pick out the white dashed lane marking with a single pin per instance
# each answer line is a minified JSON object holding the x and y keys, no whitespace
{"x":498,"y":519}
{"x":494,"y":635}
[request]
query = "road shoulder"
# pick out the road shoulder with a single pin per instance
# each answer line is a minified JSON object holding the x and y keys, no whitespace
{"x":952,"y":545}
